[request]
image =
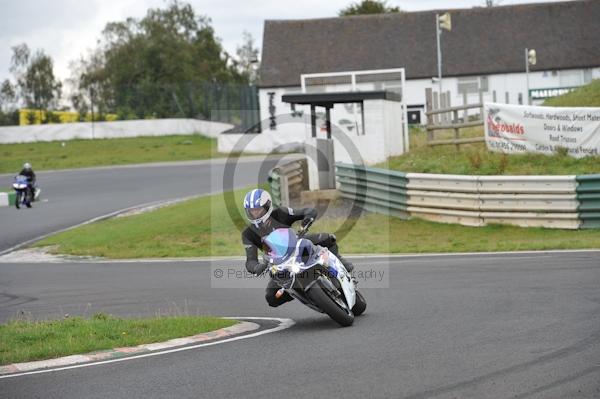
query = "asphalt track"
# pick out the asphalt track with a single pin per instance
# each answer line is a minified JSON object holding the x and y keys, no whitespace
{"x":71,"y":197}
{"x":479,"y":326}
{"x":466,"y":326}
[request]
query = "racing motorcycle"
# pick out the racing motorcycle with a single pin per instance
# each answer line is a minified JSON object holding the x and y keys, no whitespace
{"x":25,"y":194}
{"x":312,"y":275}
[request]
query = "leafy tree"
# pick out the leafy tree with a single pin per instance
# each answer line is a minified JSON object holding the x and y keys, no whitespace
{"x":247,"y":58}
{"x":9,"y":112}
{"x":149,"y":67}
{"x":368,"y":7}
{"x":37,"y":85}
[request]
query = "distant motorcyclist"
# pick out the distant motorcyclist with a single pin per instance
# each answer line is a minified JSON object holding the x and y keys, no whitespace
{"x":264,"y":218}
{"x":28,"y":172}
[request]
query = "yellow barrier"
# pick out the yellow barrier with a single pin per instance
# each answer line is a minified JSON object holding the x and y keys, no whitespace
{"x":34,"y":117}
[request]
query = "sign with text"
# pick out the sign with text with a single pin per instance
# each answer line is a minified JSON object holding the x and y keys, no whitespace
{"x":519,"y":129}
{"x":542,"y":94}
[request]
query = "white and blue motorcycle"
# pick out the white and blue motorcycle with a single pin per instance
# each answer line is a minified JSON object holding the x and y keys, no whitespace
{"x":312,"y":275}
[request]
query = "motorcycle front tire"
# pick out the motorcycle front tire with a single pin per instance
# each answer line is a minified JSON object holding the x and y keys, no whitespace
{"x":360,"y":306}
{"x":18,"y":195}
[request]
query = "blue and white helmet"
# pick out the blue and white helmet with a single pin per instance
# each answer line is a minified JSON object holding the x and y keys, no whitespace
{"x":258,"y":206}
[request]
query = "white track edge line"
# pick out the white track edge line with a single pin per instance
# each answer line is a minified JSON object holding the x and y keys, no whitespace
{"x":284,"y":324}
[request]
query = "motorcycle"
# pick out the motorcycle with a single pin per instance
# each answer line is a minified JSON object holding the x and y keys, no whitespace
{"x":24,"y":192}
{"x":312,"y":275}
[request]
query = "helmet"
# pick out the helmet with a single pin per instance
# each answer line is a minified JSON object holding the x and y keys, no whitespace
{"x":27,"y":166}
{"x":258,"y":206}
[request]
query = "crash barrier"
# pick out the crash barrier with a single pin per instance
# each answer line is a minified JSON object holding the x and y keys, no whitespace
{"x":377,"y":190}
{"x":588,"y":195}
{"x":566,"y":202}
{"x":287,"y":181}
{"x":109,"y":130}
{"x":8,"y":199}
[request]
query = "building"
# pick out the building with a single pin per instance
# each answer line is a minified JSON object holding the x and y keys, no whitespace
{"x":484,"y":51}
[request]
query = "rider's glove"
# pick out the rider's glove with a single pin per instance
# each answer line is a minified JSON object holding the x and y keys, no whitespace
{"x":306,"y":221}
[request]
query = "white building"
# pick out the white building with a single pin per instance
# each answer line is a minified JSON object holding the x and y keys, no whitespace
{"x":485,"y":50}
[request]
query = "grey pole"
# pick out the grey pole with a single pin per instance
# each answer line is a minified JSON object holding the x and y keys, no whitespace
{"x":527,"y":74}
{"x":439,"y":51}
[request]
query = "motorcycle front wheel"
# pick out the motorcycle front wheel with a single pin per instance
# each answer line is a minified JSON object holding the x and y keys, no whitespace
{"x":360,"y":306}
{"x":325,"y":301}
{"x":18,"y":199}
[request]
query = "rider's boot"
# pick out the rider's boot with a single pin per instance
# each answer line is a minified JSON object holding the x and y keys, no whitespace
{"x":347,"y":264}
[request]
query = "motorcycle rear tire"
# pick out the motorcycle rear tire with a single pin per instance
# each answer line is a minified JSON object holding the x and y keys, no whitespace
{"x":322,"y":299}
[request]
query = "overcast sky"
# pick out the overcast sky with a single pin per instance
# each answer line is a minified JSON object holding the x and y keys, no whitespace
{"x":65,"y":29}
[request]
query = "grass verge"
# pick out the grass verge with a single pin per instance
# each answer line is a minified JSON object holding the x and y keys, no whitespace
{"x":584,"y":96}
{"x":475,"y":159}
{"x":105,"y":152}
{"x":202,"y":227}
{"x":23,"y":341}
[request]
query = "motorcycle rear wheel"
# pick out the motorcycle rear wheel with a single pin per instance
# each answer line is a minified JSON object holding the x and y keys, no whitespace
{"x":322,"y":298}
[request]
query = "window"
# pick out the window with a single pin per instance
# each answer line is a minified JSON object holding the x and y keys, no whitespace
{"x":472,"y":84}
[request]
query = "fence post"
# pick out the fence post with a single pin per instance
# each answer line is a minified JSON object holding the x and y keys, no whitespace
{"x":506,"y":97}
{"x":466,"y":110}
{"x":448,"y":104}
{"x":428,"y":107}
{"x":481,"y":102}
{"x":443,"y":105}
{"x":456,"y":130}
{"x":494,"y":95}
{"x":436,"y":117}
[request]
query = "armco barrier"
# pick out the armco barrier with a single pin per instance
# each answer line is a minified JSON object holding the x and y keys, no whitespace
{"x":567,"y":202}
{"x":378,"y":190}
{"x":287,"y":181}
{"x":7,"y":199}
{"x":588,"y":195}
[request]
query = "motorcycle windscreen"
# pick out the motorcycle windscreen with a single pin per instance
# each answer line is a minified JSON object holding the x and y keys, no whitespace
{"x":280,"y":245}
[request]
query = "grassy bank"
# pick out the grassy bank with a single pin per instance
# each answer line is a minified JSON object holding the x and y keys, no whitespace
{"x":23,"y":341}
{"x":475,"y":159}
{"x":101,"y":152}
{"x":585,"y":96}
{"x":203,"y":227}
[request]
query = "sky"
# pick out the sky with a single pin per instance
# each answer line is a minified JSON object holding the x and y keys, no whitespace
{"x":67,"y":29}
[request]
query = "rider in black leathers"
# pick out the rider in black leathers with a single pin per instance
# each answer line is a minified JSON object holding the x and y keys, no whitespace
{"x":27,"y":171}
{"x":264,"y":219}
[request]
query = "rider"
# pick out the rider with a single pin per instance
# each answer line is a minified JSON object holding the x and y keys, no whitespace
{"x":27,"y":171}
{"x":264,"y":218}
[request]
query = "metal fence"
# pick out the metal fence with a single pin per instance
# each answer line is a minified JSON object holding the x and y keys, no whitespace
{"x":219,"y":102}
{"x":236,"y":104}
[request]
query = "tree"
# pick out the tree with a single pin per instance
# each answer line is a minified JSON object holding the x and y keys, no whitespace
{"x":368,"y":7}
{"x":9,"y":112}
{"x":149,"y":67}
{"x":492,"y":3}
{"x":247,"y":58}
{"x":38,"y":87}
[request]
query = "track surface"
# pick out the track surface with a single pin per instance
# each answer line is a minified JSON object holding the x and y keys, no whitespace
{"x":480,"y":326}
{"x":74,"y":196}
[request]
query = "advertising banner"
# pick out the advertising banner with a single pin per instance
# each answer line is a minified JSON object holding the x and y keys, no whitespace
{"x":519,"y":129}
